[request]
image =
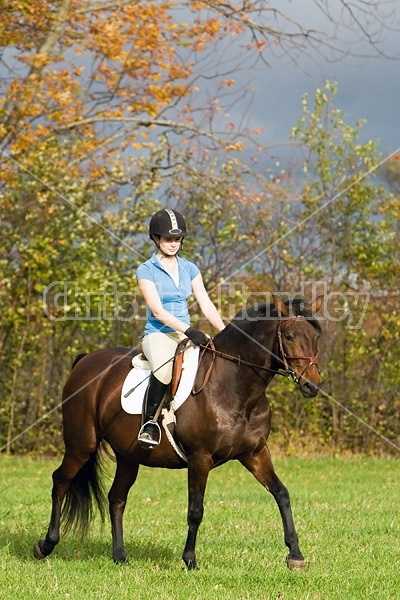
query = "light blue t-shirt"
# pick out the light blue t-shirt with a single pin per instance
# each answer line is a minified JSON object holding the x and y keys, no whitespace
{"x":173,"y":298}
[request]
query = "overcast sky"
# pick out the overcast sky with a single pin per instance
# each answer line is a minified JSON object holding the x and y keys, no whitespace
{"x":368,"y":89}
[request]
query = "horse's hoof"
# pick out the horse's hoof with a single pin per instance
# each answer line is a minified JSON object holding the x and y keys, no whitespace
{"x":37,"y":552}
{"x":191,"y":565}
{"x":296,"y":565}
{"x":120,"y":560}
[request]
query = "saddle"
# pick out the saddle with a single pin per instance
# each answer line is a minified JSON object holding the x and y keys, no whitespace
{"x":175,"y":395}
{"x":139,"y":361}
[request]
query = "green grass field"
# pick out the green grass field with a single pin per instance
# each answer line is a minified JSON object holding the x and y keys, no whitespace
{"x":346,"y":511}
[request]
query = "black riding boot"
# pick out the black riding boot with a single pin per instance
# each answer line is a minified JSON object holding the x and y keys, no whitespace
{"x":150,"y":434}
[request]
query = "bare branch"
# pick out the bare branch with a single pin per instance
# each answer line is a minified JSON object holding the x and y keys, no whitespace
{"x":99,"y":6}
{"x":346,"y":23}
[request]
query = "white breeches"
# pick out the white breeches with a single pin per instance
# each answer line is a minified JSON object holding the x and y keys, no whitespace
{"x":159,"y":348}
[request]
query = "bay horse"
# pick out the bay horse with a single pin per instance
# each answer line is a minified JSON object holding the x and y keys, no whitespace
{"x":230,"y":418}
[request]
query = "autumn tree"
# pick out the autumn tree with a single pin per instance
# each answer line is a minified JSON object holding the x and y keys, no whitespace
{"x":106,"y":108}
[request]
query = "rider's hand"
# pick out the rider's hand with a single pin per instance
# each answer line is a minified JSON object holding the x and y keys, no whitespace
{"x":197,"y":337}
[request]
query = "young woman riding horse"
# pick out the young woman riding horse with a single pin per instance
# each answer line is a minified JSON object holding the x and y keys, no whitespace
{"x":230,"y":418}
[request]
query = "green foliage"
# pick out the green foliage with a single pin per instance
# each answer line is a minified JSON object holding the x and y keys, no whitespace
{"x":75,"y":231}
{"x":339,"y":193}
{"x":63,"y":268}
{"x":351,"y":222}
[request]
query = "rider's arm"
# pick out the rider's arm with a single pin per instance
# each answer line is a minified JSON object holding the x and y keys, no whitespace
{"x":207,"y":307}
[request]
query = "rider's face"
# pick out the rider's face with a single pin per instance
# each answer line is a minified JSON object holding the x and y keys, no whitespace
{"x":170,"y":245}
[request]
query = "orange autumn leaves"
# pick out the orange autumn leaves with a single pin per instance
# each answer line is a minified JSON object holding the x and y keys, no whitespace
{"x":74,"y":66}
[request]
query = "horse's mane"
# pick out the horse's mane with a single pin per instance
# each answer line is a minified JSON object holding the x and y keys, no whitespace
{"x":248,"y":318}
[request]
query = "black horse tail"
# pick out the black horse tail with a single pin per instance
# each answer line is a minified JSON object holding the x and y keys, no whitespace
{"x":85,"y":492}
{"x":78,"y":358}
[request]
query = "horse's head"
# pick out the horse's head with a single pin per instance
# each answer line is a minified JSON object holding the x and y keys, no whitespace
{"x":297,"y":336}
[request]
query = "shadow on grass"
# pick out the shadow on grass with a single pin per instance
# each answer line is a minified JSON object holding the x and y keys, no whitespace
{"x":20,"y":545}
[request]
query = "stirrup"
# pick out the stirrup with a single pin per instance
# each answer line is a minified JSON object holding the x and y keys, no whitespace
{"x":149,"y":435}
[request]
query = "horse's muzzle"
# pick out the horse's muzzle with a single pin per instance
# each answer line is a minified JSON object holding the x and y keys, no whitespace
{"x":309,"y":389}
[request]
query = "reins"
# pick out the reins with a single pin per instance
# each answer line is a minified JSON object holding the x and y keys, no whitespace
{"x":286,"y":372}
{"x":236,"y":359}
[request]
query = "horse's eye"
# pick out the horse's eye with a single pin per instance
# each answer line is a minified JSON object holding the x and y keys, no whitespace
{"x":289,"y":337}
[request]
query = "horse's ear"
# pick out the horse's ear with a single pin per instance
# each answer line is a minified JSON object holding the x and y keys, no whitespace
{"x":280,"y":306}
{"x":314,"y":306}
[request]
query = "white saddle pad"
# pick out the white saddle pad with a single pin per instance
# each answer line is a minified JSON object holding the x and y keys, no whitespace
{"x":135,"y":384}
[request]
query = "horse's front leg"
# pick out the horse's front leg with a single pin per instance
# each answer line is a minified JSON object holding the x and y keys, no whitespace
{"x":198,"y":470}
{"x":260,"y":465}
{"x":125,"y":477}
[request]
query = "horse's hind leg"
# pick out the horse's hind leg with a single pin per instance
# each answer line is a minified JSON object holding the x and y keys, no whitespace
{"x":62,"y":478}
{"x":61,"y":482}
{"x":261,"y":467}
{"x":125,"y":477}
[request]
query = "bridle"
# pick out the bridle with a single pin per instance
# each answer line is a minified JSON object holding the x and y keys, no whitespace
{"x":287,"y":371}
{"x":312,"y":360}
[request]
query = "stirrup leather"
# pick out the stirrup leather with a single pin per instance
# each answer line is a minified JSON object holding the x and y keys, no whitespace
{"x":145,"y":439}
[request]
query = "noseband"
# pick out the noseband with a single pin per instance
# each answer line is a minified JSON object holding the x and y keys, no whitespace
{"x":312,"y":360}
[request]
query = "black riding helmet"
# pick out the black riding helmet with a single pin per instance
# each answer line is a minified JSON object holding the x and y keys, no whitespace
{"x":167,"y":223}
